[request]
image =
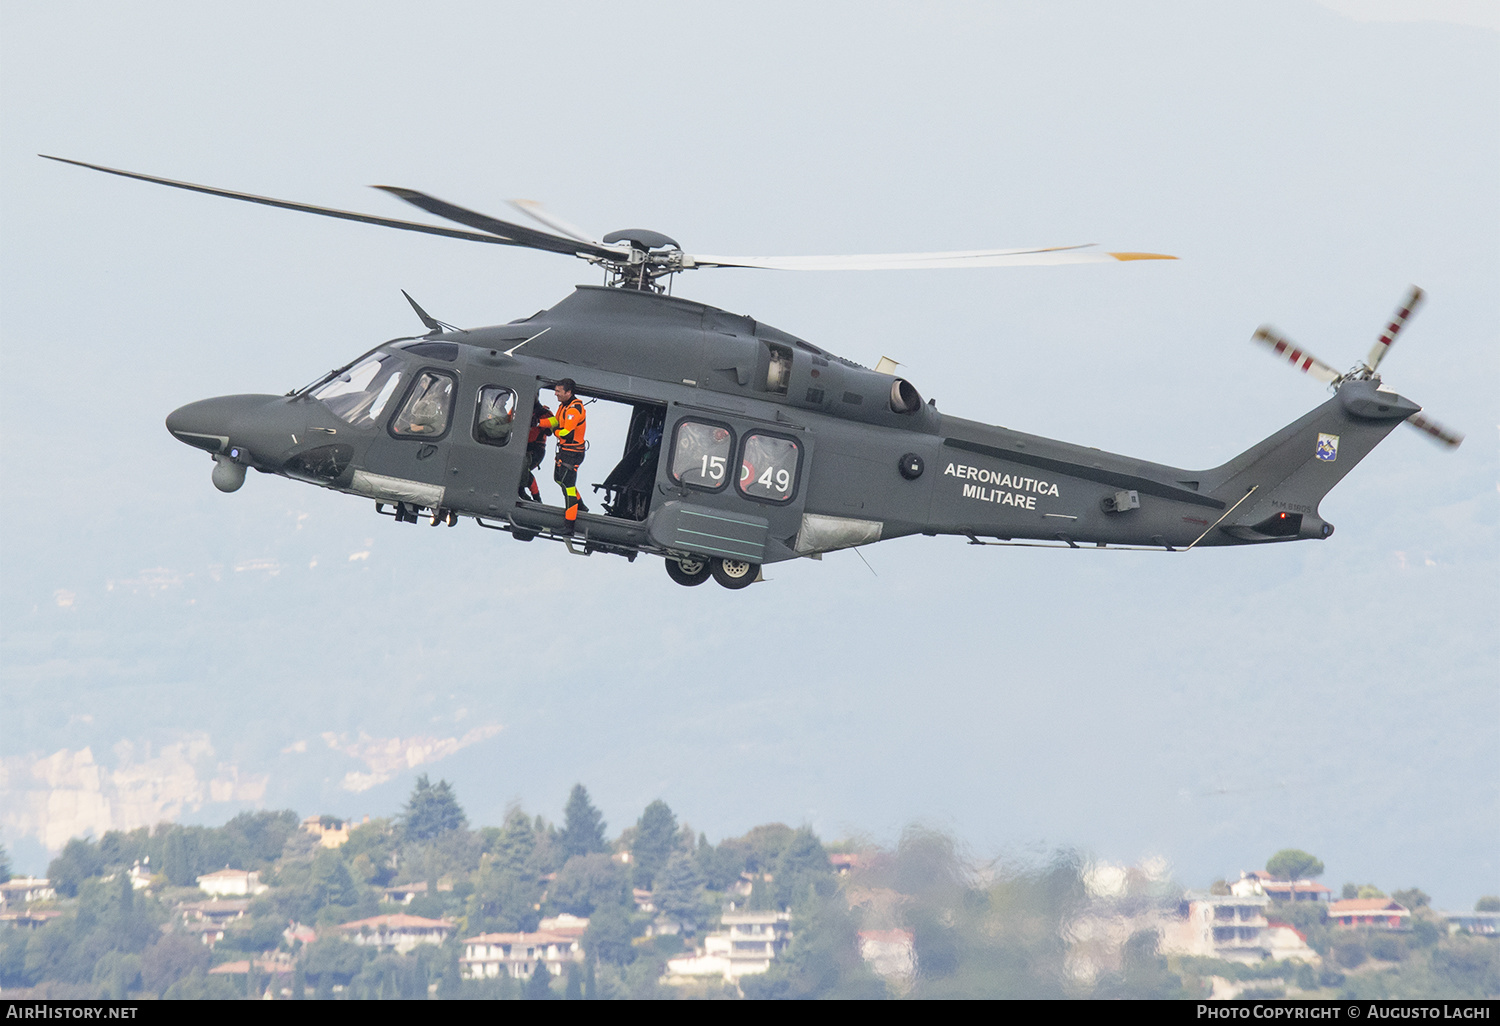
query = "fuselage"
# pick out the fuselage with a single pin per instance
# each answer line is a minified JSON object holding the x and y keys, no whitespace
{"x":745,"y":443}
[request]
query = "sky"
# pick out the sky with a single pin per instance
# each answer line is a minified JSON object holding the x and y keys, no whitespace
{"x":168,"y":651}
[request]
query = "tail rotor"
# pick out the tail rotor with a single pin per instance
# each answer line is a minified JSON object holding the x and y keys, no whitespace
{"x":1313,"y":367}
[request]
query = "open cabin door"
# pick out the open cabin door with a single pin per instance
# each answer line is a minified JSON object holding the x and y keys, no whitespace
{"x":487,"y":458}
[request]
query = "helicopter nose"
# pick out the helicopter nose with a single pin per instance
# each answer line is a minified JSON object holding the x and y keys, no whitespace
{"x":209,"y":423}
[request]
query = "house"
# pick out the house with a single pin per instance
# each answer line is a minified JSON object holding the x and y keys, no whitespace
{"x":402,"y":894}
{"x":1382,"y":913}
{"x":843,"y":862}
{"x":1285,"y":941}
{"x":230,"y":883}
{"x":1228,"y":926}
{"x":264,"y":966}
{"x":399,"y":931}
{"x":215,"y":912}
{"x":1261,"y":882}
{"x":565,"y":924}
{"x":22,"y":890}
{"x":209,"y":932}
{"x":521,"y":954}
{"x":296,"y":932}
{"x":1484,"y":923}
{"x":644,"y":900}
{"x":140,"y":874}
{"x":29,"y":920}
{"x":890,"y":953}
{"x":330,"y":831}
{"x":747,"y":944}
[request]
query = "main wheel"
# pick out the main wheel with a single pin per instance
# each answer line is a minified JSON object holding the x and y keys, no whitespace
{"x":735,"y":573}
{"x":687,"y":572}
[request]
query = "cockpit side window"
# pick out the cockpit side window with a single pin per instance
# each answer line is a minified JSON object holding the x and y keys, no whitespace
{"x":360,"y":394}
{"x":425,"y":413}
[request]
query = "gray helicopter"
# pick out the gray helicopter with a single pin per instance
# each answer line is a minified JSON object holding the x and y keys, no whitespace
{"x":747,"y":445}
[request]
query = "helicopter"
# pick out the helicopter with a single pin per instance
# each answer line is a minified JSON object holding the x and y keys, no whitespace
{"x":747,"y":445}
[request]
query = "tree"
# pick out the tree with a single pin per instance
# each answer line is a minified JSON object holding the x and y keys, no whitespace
{"x":583,"y":826}
{"x":1293,"y":864}
{"x":4,"y":864}
{"x":539,"y":986}
{"x":331,"y":883}
{"x":176,"y":863}
{"x":514,"y":844}
{"x":803,"y":864}
{"x":574,"y":991}
{"x":1413,"y":898}
{"x":679,"y":890}
{"x":609,"y":935}
{"x":78,"y":861}
{"x":170,"y":959}
{"x":588,"y":882}
{"x":1488,"y":903}
{"x":655,"y":837}
{"x":822,"y":961}
{"x":433,"y":810}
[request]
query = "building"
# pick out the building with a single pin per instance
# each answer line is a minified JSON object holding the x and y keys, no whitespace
{"x":29,"y":920}
{"x":229,"y":883}
{"x":215,"y":911}
{"x":747,"y":944}
{"x":1484,"y":923}
{"x":22,"y":890}
{"x":890,"y":953}
{"x":402,"y":894}
{"x":520,"y":955}
{"x":1227,"y":926}
{"x":330,"y":831}
{"x":399,"y":931}
{"x":1261,"y":882}
{"x":843,"y":862}
{"x":1381,"y":913}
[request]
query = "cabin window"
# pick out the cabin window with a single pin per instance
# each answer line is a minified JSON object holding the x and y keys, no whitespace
{"x":360,"y":394}
{"x":700,"y":454}
{"x":428,"y":404}
{"x":495,"y":415}
{"x":768,"y":467}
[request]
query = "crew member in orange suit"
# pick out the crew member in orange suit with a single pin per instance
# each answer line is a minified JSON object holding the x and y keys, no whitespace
{"x":567,"y":426}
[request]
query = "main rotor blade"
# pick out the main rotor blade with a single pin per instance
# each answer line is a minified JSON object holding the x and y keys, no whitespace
{"x":1452,"y":439}
{"x":1298,"y":358}
{"x":1398,"y":321}
{"x":306,"y":208}
{"x":520,"y":235}
{"x":920,"y":261}
{"x":534,"y":210}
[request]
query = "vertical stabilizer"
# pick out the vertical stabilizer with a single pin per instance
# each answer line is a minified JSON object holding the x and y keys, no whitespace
{"x":1294,"y":468}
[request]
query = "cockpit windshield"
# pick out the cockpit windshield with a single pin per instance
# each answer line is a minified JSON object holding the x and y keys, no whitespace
{"x":360,"y":394}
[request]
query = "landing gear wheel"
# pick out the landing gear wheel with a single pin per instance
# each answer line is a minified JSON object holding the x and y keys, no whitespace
{"x":735,"y":573}
{"x":687,"y":572}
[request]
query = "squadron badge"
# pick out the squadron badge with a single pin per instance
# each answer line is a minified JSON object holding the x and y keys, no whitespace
{"x":1328,"y":447}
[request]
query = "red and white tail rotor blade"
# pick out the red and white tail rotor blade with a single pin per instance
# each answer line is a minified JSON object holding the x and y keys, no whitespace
{"x":1398,"y":321}
{"x":1299,"y":358}
{"x":1447,"y":436}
